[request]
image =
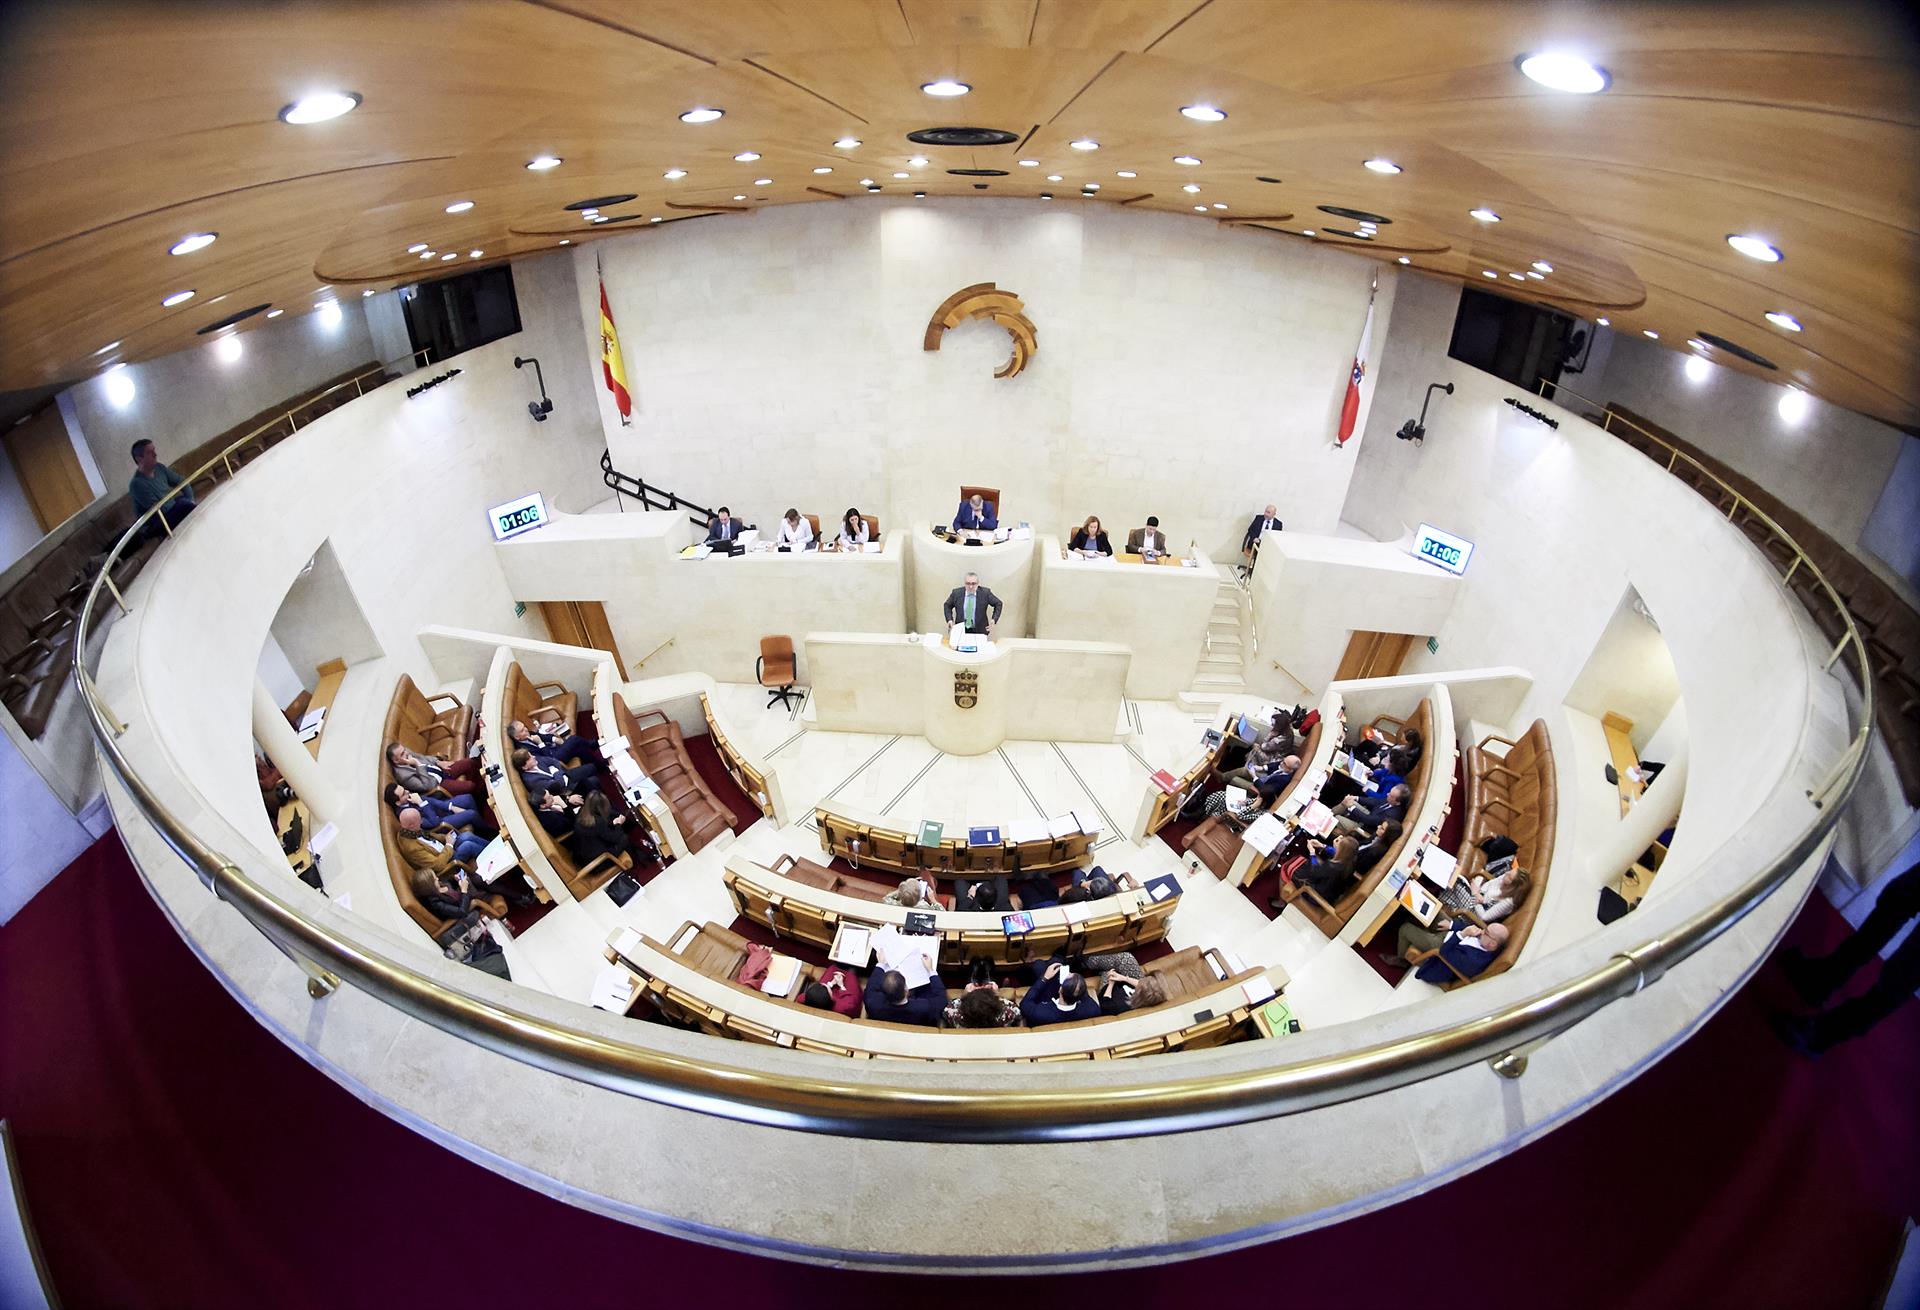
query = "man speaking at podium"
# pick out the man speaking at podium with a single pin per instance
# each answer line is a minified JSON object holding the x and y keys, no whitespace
{"x":973,"y":607}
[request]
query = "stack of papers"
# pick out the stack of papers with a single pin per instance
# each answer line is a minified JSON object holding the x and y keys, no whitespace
{"x":1258,"y":991}
{"x":497,"y":859}
{"x":1064,"y":826}
{"x":1436,"y":865}
{"x":782,"y":974}
{"x":1317,"y":819}
{"x":614,"y":988}
{"x":1017,"y":831}
{"x":696,"y":551}
{"x":852,"y":946}
{"x":1264,"y":833}
{"x":1085,"y":822}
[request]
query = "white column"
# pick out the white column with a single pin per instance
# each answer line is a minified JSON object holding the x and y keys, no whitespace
{"x":290,"y":755}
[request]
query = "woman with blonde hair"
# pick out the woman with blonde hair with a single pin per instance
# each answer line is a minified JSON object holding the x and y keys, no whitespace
{"x":1091,"y":539}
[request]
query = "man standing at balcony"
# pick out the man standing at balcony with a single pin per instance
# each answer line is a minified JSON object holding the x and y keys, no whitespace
{"x":149,"y":485}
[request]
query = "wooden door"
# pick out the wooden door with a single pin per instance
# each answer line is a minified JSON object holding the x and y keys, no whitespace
{"x":1374,"y":655}
{"x":580,"y":623}
{"x":49,"y":472}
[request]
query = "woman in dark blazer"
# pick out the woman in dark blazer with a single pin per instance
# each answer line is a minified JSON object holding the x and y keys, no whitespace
{"x":1091,"y":536}
{"x":598,"y":830}
{"x":1328,"y":869}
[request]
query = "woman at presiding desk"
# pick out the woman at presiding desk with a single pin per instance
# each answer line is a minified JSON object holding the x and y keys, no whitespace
{"x":1091,"y":538}
{"x":795,"y":532}
{"x":853,"y":530}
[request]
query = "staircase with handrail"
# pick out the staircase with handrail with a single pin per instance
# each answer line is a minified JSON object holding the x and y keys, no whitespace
{"x":649,"y":496}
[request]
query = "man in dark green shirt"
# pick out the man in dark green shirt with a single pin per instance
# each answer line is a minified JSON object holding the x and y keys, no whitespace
{"x":150,"y":483}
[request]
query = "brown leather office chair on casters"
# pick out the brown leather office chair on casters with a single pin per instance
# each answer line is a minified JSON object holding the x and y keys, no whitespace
{"x":774,"y":669}
{"x":814,"y":521}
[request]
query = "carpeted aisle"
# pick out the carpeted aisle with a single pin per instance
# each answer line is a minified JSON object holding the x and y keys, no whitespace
{"x":175,"y":1154}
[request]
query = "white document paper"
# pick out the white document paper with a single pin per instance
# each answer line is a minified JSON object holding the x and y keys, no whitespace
{"x":323,"y":837}
{"x":1085,"y":822}
{"x":496,"y":859}
{"x":852,"y":946}
{"x":613,"y":989}
{"x":1077,"y":911}
{"x":1063,"y":826}
{"x":1317,"y":819}
{"x":1258,"y":991}
{"x":906,"y":953}
{"x":625,"y":941}
{"x":1436,"y":865}
{"x":1264,"y":833}
{"x":1015,"y":831}
{"x":613,"y":745}
{"x":1237,"y":798}
{"x":782,"y":974}
{"x":344,"y":900}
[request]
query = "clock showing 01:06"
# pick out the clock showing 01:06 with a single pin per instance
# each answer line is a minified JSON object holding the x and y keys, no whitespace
{"x":1443,"y":548}
{"x":517,"y":516}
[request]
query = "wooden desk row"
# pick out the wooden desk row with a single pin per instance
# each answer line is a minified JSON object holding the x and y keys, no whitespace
{"x":725,"y":1008}
{"x":798,"y":908}
{"x":864,"y":840}
{"x":748,"y":776}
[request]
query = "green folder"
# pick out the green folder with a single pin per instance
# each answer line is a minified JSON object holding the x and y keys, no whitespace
{"x":1279,"y":1016}
{"x":930,"y":830}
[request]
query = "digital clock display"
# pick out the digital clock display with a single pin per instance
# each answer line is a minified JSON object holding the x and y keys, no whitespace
{"x":1443,"y":548}
{"x":517,"y":516}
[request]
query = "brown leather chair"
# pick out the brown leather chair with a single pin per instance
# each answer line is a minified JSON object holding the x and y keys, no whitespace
{"x":774,"y":669}
{"x":873,"y":526}
{"x":814,"y":520}
{"x":989,"y":494}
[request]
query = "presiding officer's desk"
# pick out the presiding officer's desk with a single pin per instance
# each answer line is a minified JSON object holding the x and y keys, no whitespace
{"x":715,"y":609}
{"x":891,"y":846}
{"x":1160,"y":610}
{"x":966,"y":703}
{"x":1005,"y":569}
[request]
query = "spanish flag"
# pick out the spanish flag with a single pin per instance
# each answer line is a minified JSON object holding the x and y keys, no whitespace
{"x":611,"y":365}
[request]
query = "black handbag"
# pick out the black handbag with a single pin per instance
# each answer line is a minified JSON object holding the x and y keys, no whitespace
{"x":623,"y":889}
{"x":1498,"y":845}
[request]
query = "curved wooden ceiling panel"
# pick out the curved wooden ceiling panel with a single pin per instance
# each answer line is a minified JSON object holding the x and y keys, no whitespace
{"x":128,"y":127}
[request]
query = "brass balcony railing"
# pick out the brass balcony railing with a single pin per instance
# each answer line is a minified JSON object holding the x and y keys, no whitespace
{"x":804,"y":1092}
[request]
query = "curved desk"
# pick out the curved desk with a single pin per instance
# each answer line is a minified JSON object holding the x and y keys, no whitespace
{"x":1005,"y":569}
{"x":893,"y":844}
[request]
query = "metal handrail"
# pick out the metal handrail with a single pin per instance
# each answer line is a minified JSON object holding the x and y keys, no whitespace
{"x":646,"y":493}
{"x":827,"y":1104}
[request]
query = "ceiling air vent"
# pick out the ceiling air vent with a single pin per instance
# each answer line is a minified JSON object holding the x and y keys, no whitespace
{"x":1721,"y":343}
{"x":1357,"y":215}
{"x":231,"y":319}
{"x":962,"y":136}
{"x":978,"y":172}
{"x":601,"y":202}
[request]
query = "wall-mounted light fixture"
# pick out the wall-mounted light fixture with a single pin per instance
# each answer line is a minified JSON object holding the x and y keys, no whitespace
{"x":1415,"y":430}
{"x":542,"y":407}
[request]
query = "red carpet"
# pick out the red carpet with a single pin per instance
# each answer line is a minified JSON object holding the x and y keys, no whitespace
{"x":174,"y":1154}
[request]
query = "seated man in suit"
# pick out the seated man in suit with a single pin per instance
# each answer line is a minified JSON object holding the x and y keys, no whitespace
{"x":973,"y":606}
{"x":975,"y":513}
{"x":1059,"y":996}
{"x":889,"y":999}
{"x":987,"y":895}
{"x":1141,"y":540}
{"x":542,"y":774}
{"x":1359,"y":816}
{"x":722,"y":527}
{"x":1465,"y":945}
{"x":1262,"y":522}
{"x":553,"y":741}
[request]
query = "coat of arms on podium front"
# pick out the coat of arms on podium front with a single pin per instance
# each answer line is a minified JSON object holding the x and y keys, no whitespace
{"x":966,"y":689}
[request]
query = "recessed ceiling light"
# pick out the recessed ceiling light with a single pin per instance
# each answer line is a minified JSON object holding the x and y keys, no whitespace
{"x":1203,"y":113}
{"x":1696,"y":343}
{"x":822,"y":170}
{"x":844,"y":143}
{"x":431,"y":254}
{"x":459,"y":206}
{"x":319,"y":107}
{"x":228,"y":349}
{"x":1126,"y":172}
{"x":866,"y":181}
{"x":109,"y":349}
{"x":1793,"y":404}
{"x":674,"y":174}
{"x":475,"y":254}
{"x":919,"y":195}
{"x":1405,"y":260}
{"x":918,"y":161}
{"x":946,"y":88}
{"x":763,"y":181}
{"x":366,"y":293}
{"x":1084,"y":143}
{"x":1518,"y":277}
{"x":1487,"y":272}
{"x":746,"y":156}
{"x":1089,"y":186}
{"x":589,"y":213}
{"x":1786,"y":322}
{"x":1563,"y":72}
{"x":1649,"y":334}
{"x":177,"y":298}
{"x":597,"y":218}
{"x":702,"y":115}
{"x":1484,"y":214}
{"x":654,"y":219}
{"x":1191,"y":188}
{"x":449,"y":255}
{"x":1603,"y":321}
{"x":416,"y":247}
{"x":739,"y":197}
{"x":899,"y":175}
{"x":275,"y":313}
{"x":1218,"y":205}
{"x":329,"y":311}
{"x":1188,"y":160}
{"x":566,"y":241}
{"x":1306,"y":231}
{"x":1755,"y":248}
{"x":1029,"y":163}
{"x":198,"y":241}
{"x":1697,"y":369}
{"x":1381,"y":166}
{"x":1199,"y":209}
{"x":1543,"y":266}
{"x":541,"y":163}
{"x":1046,"y":195}
{"x":1537,"y":277}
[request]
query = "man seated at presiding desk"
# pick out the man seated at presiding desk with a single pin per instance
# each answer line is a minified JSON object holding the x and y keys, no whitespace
{"x":1091,"y":538}
{"x":796,"y":533}
{"x":1262,"y":522}
{"x":722,"y":527}
{"x":973,"y":606}
{"x":975,"y":515}
{"x":151,"y":481}
{"x":1148,"y":539}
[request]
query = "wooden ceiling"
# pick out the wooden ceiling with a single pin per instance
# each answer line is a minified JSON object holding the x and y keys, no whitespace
{"x":128,"y":127}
